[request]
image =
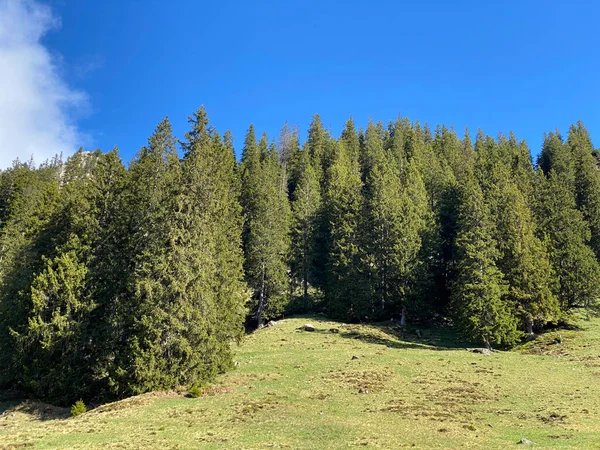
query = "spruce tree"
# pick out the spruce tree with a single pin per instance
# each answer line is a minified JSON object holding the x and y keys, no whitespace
{"x":31,"y":201}
{"x":306,"y":208}
{"x":346,"y":295}
{"x":524,"y":259}
{"x":266,"y":230}
{"x":574,"y":262}
{"x":55,"y":347}
{"x":393,"y":227}
{"x":587,"y":181}
{"x":478,"y":301}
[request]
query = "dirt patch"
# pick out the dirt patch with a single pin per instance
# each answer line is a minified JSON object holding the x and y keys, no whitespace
{"x":552,"y":418}
{"x":250,"y":409}
{"x":360,"y":379}
{"x":319,"y":396}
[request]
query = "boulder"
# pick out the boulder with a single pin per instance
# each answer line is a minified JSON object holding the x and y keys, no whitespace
{"x":525,"y":442}
{"x":482,"y":351}
{"x":308,"y":327}
{"x":271,"y":323}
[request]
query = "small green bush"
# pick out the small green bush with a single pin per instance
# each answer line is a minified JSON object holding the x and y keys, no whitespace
{"x":78,"y":408}
{"x":195,"y":392}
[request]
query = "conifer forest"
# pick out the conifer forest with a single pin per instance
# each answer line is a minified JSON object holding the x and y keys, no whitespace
{"x":121,"y":279}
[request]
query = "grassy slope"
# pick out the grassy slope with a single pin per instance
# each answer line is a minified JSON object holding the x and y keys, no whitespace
{"x":295,"y":389}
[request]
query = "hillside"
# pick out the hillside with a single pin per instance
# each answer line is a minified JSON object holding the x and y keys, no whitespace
{"x":363,"y":386}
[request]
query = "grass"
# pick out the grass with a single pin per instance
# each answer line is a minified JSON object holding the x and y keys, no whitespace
{"x":351,"y":386}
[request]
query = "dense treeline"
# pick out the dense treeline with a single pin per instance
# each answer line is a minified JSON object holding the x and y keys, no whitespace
{"x":117,"y":281}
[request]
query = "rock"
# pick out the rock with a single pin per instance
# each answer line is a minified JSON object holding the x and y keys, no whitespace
{"x":271,"y":323}
{"x":334,"y":330}
{"x":482,"y":351}
{"x":525,"y":442}
{"x":308,"y":327}
{"x":354,"y":357}
{"x":363,"y":391}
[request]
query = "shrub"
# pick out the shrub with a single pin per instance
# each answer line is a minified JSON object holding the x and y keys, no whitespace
{"x":195,"y":392}
{"x":78,"y":408}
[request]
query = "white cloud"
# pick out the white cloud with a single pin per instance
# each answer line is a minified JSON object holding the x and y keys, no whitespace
{"x":36,"y":104}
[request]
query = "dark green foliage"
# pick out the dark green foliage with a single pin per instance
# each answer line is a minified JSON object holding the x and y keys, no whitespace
{"x":306,"y":209}
{"x":266,"y":209}
{"x":524,"y":258}
{"x":587,"y":181}
{"x":576,"y":268}
{"x":346,"y":287}
{"x":31,"y":201}
{"x":185,"y":286}
{"x":478,"y":297}
{"x":392,"y":225}
{"x":118,"y":281}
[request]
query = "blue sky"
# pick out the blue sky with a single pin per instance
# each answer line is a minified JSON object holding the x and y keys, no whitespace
{"x":529,"y":66}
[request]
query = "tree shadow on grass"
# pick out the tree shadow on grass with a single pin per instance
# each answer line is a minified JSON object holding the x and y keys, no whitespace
{"x":40,"y":411}
{"x":392,"y":335}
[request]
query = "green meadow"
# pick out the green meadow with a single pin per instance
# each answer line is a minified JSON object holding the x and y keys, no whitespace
{"x":351,"y":386}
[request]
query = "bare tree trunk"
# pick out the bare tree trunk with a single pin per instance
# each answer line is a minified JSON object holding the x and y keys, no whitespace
{"x":261,"y":299}
{"x":487,"y":343}
{"x":403,"y":318}
{"x":529,"y":326}
{"x":305,"y":268}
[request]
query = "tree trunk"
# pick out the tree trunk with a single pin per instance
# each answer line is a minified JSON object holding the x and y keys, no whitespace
{"x":529,"y":326}
{"x":261,"y":300}
{"x":305,"y":269}
{"x":403,"y":318}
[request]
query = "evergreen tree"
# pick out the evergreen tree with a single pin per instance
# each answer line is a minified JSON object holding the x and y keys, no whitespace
{"x":290,"y":155}
{"x":573,"y":260}
{"x":345,"y":288}
{"x":479,"y":305}
{"x":305,"y":208}
{"x":555,"y":156}
{"x":394,"y":226}
{"x":266,"y":235}
{"x":524,"y":259}
{"x":31,"y":200}
{"x":587,"y":181}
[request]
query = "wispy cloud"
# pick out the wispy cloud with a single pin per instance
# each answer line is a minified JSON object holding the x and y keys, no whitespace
{"x":36,"y":105}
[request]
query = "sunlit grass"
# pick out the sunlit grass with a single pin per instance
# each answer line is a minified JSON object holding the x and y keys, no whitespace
{"x":364,"y":386}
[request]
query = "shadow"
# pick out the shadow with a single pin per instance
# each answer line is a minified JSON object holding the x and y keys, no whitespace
{"x":390,"y":334}
{"x":41,"y":411}
{"x":393,"y":336}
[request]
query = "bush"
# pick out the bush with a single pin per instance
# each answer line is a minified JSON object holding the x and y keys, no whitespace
{"x":78,"y":408}
{"x":195,"y":392}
